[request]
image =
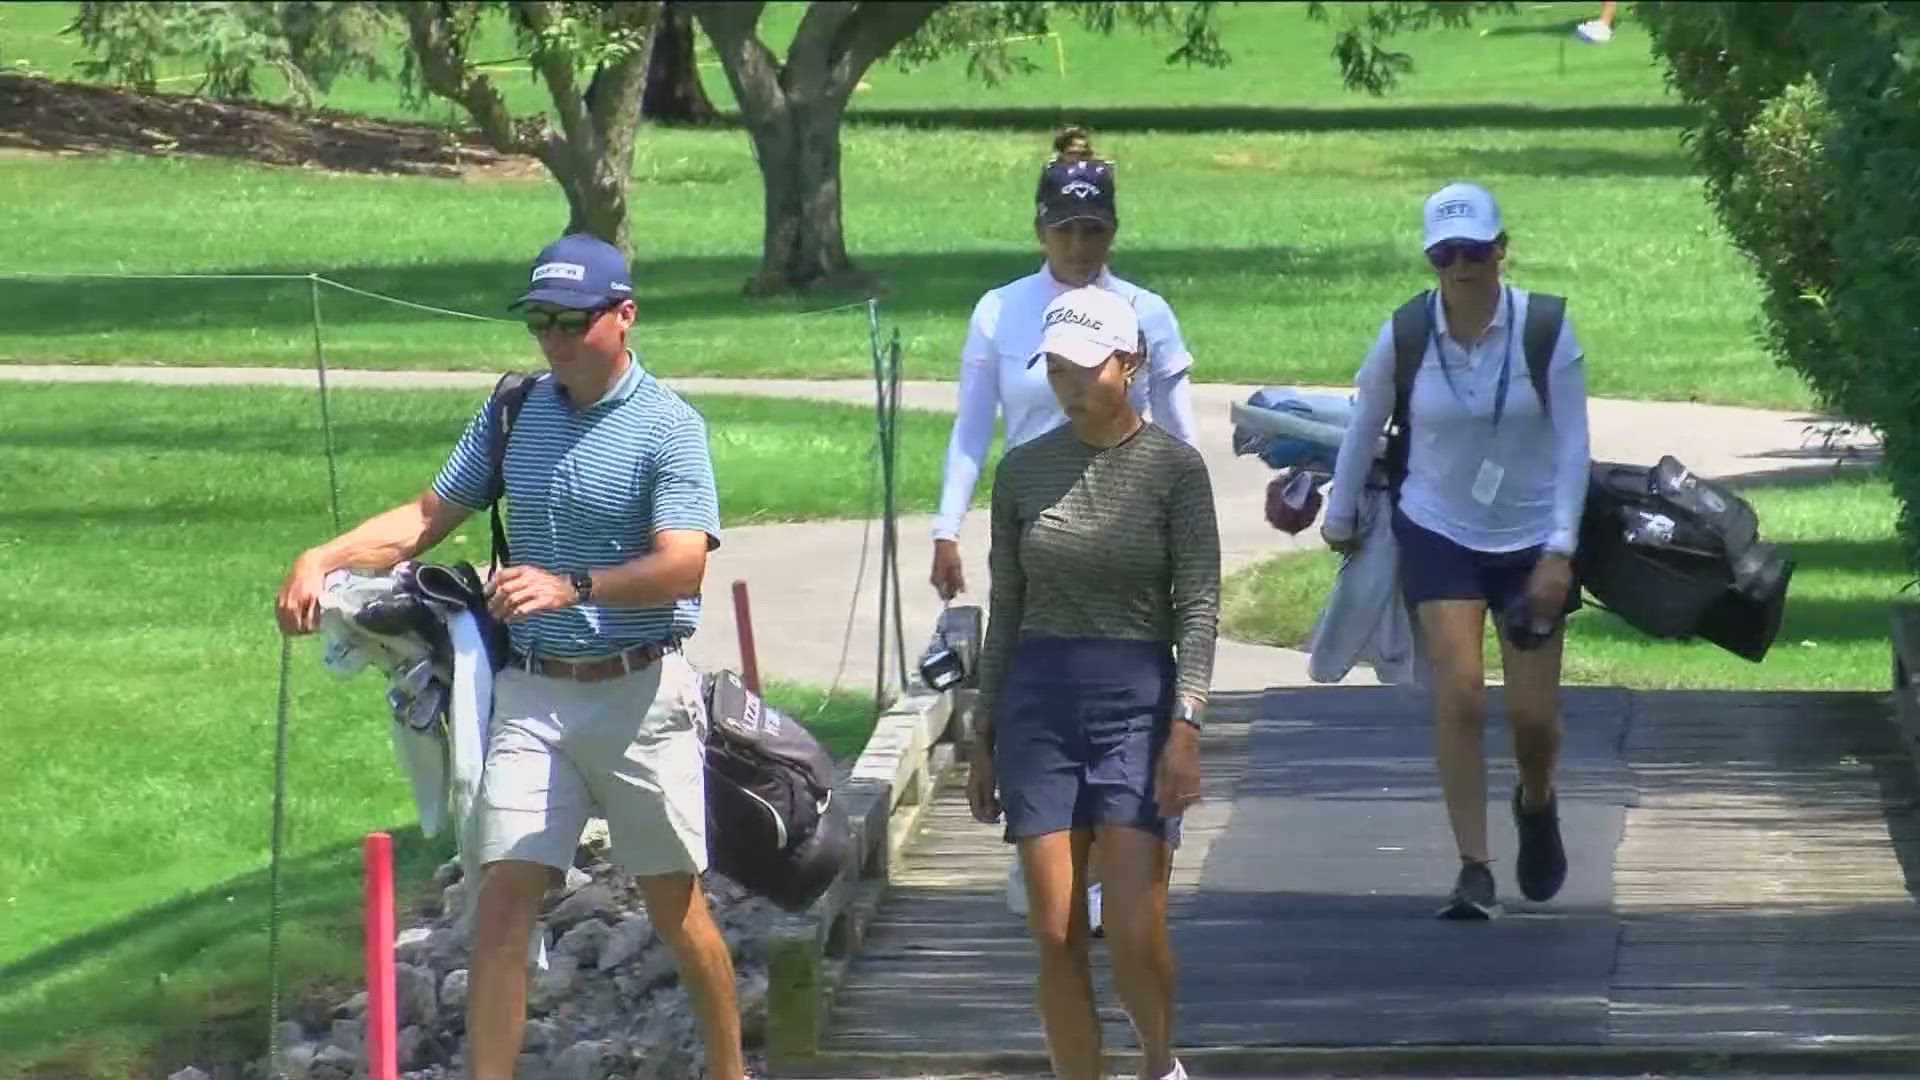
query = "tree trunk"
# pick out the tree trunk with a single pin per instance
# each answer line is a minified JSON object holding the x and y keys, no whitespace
{"x":674,"y":94}
{"x":803,"y":247}
{"x":596,"y":201}
{"x":792,"y":111}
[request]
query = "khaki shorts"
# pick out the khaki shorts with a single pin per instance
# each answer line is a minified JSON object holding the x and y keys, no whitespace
{"x":628,"y":749}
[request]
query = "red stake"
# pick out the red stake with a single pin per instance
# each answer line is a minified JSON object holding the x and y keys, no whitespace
{"x":743,"y":620}
{"x":382,"y":1033}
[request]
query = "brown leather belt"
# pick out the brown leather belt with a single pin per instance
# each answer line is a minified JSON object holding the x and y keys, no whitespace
{"x":626,"y":662}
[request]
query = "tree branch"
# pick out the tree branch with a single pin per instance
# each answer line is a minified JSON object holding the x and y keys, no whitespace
{"x":811,"y":56}
{"x":879,"y":28}
{"x":616,"y":108}
{"x":542,"y":18}
{"x":444,"y":71}
{"x":750,"y":66}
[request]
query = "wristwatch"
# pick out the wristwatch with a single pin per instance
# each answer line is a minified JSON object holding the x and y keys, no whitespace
{"x":1185,"y":711}
{"x":582,"y":585}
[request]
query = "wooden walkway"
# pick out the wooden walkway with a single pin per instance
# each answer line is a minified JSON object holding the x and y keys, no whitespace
{"x":1740,"y":883}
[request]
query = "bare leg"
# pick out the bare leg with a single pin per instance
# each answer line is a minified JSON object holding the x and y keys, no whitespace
{"x":1056,"y":873}
{"x":1533,"y":708}
{"x":1453,"y":633}
{"x":1135,"y":887}
{"x":507,"y":907}
{"x":678,"y":909}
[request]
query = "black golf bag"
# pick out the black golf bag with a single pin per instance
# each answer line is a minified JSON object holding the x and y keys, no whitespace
{"x":1679,"y":556}
{"x":772,"y":823}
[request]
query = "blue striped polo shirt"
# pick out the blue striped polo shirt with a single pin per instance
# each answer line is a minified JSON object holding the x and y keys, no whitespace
{"x":586,"y":489}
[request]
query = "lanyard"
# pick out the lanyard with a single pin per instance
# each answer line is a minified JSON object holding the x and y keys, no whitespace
{"x":1506,"y":355}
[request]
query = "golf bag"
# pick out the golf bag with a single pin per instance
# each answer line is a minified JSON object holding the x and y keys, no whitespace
{"x":1679,"y":556}
{"x":772,"y":823}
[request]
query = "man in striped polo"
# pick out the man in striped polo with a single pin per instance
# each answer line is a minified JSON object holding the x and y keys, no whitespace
{"x":611,"y":513}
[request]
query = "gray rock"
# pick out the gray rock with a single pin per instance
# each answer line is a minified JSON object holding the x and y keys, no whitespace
{"x":191,"y":1072}
{"x":751,"y":989}
{"x":554,"y":985}
{"x":448,"y":872}
{"x":582,"y":1061}
{"x":625,"y":941}
{"x":531,"y":1067}
{"x":453,"y":991}
{"x":348,"y":1034}
{"x":416,"y":996}
{"x":296,"y":1060}
{"x":583,"y":942}
{"x":453,"y":900}
{"x":291,"y":1033}
{"x":590,"y":902}
{"x":413,"y":945}
{"x":352,"y":1007}
{"x":334,"y":1063}
{"x":417,"y":1048}
{"x":539,"y":1036}
{"x":577,"y":879}
{"x":447,"y":948}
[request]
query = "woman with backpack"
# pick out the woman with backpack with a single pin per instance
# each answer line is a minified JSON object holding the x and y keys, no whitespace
{"x":1075,"y":222}
{"x":1094,"y":673}
{"x":1488,"y":464}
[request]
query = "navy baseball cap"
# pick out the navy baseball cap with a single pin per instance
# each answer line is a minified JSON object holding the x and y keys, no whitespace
{"x":1080,"y":190}
{"x":578,"y":271}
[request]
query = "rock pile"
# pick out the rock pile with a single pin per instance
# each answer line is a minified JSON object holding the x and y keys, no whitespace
{"x":608,"y":1007}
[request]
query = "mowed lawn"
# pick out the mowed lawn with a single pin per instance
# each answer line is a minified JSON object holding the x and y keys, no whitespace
{"x":1277,"y":211}
{"x":143,"y":532}
{"x":1833,"y":636}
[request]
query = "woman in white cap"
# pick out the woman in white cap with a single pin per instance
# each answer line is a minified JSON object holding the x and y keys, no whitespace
{"x":1104,"y":604}
{"x":1075,"y":222}
{"x":1488,"y":463}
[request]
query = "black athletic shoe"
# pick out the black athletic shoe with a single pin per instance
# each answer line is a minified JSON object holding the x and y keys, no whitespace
{"x":1542,"y":866}
{"x":1474,"y":897}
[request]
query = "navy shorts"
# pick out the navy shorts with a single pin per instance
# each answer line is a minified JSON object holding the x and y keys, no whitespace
{"x":1078,"y":728}
{"x":1433,"y":567}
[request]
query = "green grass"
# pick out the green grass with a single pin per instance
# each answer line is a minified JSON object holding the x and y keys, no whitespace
{"x":1300,"y":239}
{"x":144,"y":531}
{"x":1840,"y":534}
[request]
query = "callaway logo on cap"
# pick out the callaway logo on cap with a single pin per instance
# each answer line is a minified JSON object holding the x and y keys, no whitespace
{"x":578,"y":271}
{"x":1087,"y":325}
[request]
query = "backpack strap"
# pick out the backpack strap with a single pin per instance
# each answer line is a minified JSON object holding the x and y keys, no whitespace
{"x":1412,"y":327}
{"x":509,"y":394}
{"x":1545,"y":313}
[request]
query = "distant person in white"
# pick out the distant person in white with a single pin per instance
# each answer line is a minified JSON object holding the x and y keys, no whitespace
{"x":1075,"y":221}
{"x":1487,"y":519}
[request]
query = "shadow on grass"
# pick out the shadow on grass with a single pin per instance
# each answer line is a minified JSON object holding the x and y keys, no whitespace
{"x":1425,"y":118}
{"x":1556,"y":162}
{"x":119,"y":973}
{"x":672,"y":289}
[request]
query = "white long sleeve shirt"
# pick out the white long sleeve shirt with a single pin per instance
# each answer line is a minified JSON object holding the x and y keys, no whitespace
{"x":996,"y":380}
{"x":1544,"y":465}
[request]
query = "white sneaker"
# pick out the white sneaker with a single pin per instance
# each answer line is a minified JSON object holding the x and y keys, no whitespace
{"x":1594,"y":32}
{"x":1178,"y":1072}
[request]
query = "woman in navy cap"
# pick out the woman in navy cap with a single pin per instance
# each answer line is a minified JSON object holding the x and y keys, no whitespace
{"x":1075,"y":222}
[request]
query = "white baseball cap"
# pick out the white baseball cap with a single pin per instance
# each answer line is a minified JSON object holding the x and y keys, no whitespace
{"x":1461,"y":212}
{"x":1087,"y":325}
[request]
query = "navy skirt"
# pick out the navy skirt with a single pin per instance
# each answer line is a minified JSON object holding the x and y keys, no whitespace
{"x":1079,"y":724}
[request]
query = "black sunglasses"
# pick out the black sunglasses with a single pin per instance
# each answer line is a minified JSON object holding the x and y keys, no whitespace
{"x":1443,"y":254}
{"x":572,"y":323}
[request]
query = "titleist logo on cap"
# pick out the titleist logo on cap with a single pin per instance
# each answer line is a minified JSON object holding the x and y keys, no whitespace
{"x":1068,"y":315}
{"x":569,"y":271}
